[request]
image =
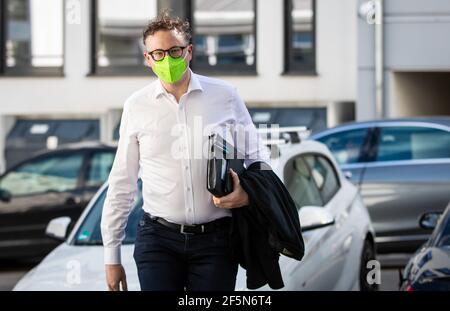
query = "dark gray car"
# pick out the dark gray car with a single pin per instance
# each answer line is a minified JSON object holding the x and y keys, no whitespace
{"x":402,"y":168}
{"x":50,"y":184}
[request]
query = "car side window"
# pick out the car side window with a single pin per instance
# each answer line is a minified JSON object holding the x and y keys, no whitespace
{"x":300,"y":183}
{"x":99,"y":168}
{"x":89,"y":233}
{"x":53,"y":173}
{"x":324,"y":175}
{"x":346,"y":146}
{"x":412,"y":143}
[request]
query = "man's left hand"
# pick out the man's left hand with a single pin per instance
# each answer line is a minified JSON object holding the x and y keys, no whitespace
{"x":237,"y":198}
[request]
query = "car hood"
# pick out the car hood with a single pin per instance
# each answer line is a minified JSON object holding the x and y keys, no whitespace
{"x":71,"y":268}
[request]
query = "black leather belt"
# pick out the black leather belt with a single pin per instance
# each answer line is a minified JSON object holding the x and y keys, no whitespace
{"x":193,"y":229}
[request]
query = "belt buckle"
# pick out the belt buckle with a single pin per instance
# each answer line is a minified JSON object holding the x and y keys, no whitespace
{"x":184,"y":226}
{"x":184,"y":232}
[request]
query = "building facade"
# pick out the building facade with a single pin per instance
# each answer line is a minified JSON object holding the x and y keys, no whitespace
{"x":415,"y":60}
{"x":68,"y":66}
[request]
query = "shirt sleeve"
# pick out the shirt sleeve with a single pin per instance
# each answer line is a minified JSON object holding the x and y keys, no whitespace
{"x":122,"y":189}
{"x":248,"y":142}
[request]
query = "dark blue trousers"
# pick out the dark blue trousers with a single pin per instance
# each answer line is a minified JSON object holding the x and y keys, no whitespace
{"x":169,"y":260}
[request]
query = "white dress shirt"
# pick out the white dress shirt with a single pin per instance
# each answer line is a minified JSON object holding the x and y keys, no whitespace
{"x":164,"y":143}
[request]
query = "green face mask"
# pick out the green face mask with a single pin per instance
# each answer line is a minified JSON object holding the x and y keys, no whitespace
{"x":170,"y":70}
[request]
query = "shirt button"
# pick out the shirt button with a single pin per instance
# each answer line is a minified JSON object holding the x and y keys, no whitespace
{"x":188,"y":189}
{"x":186,"y":167}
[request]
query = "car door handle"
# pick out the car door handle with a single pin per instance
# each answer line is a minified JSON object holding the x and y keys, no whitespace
{"x":348,"y":174}
{"x":73,"y":201}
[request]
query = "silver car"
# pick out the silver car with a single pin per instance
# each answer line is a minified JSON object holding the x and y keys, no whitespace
{"x":402,"y":168}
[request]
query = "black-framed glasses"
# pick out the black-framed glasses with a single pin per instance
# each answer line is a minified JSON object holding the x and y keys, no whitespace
{"x":174,"y":52}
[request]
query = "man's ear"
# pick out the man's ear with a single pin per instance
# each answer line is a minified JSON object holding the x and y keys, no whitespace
{"x":148,"y":59}
{"x":191,"y":51}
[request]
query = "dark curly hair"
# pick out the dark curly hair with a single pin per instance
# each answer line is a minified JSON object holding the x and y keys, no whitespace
{"x":165,"y":22}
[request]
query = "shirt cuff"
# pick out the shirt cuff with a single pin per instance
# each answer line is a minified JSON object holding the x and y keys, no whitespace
{"x":112,"y":255}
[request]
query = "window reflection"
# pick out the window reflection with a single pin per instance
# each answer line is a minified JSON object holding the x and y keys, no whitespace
{"x":89,"y":233}
{"x":413,"y":143}
{"x":224,"y":34}
{"x":34,"y":36}
{"x":346,"y":146}
{"x":301,"y":35}
{"x":300,"y":183}
{"x":55,"y":173}
{"x":119,"y":31}
{"x":100,"y":167}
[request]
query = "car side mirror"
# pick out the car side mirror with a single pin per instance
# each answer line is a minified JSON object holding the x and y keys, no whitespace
{"x":57,"y":228}
{"x":5,"y":195}
{"x":430,"y":220}
{"x":314,"y":217}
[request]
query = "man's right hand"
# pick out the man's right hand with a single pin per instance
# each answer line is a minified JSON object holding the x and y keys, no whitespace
{"x":115,"y":276}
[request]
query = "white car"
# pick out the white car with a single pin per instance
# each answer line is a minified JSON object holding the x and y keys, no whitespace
{"x":339,"y":238}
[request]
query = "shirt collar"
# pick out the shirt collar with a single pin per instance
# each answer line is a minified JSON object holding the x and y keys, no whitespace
{"x":194,"y":84}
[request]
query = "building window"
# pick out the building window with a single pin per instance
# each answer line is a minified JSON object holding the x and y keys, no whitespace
{"x":118,"y":27}
{"x":31,"y":37}
{"x":224,"y":36}
{"x":300,"y":56}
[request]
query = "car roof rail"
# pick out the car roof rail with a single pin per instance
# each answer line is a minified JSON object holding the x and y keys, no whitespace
{"x":284,"y":135}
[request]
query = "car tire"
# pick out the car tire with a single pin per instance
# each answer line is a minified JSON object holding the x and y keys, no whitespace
{"x":368,"y":253}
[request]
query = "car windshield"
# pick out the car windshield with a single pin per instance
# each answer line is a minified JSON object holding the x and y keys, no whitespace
{"x":89,"y":232}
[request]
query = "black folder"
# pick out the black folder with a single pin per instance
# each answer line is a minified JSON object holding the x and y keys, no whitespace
{"x":221,"y":157}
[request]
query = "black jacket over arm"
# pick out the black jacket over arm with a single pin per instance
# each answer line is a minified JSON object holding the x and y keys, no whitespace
{"x":266,"y":228}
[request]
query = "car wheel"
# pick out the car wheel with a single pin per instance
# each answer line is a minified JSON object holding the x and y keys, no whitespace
{"x":368,"y":254}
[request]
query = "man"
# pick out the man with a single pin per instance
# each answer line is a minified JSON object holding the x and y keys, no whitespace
{"x":182,"y":240}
